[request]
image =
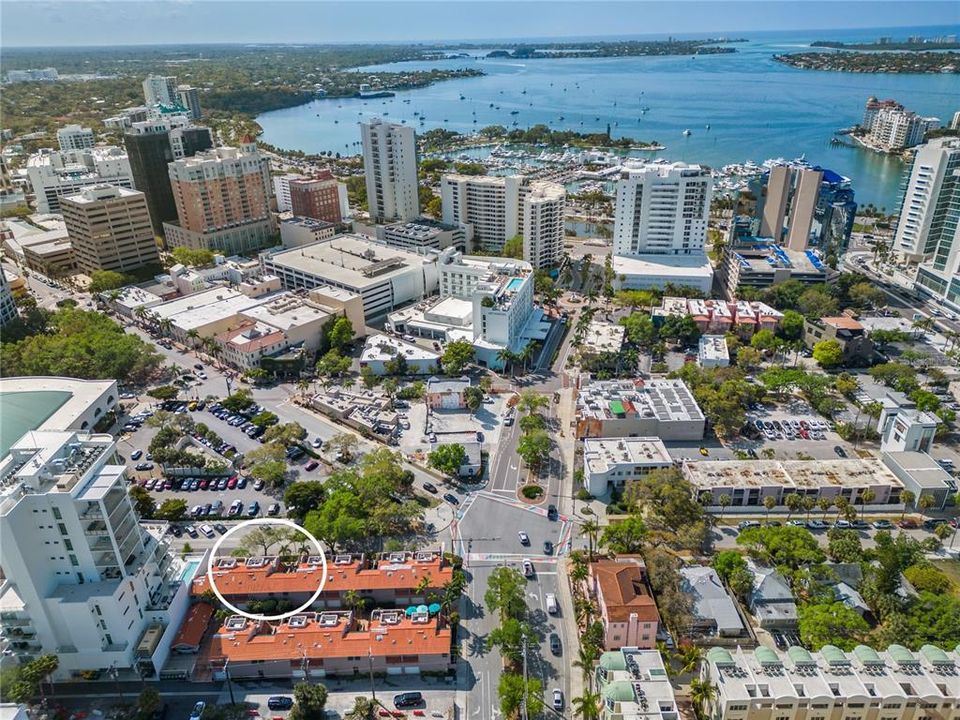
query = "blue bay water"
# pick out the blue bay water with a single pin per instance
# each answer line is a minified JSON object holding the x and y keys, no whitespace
{"x":756,"y":108}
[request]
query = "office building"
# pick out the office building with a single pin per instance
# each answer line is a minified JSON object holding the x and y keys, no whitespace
{"x":928,"y":231}
{"x":856,"y":346}
{"x":109,"y":229}
{"x":54,"y":174}
{"x":386,"y":278}
{"x":904,"y":428}
{"x":74,"y":137}
{"x":637,"y":408}
{"x":223,"y":200}
{"x":634,"y":685}
{"x":316,"y":197}
{"x":424,"y":235}
{"x":188,"y":97}
{"x":33,"y":75}
{"x":300,"y":231}
{"x":8,"y":308}
{"x":660,"y":226}
{"x":888,"y":126}
{"x":627,"y":610}
{"x":152,"y":145}
{"x":82,"y":579}
{"x":895,"y":684}
{"x":127,"y":117}
{"x":390,"y":168}
{"x":754,"y":262}
{"x":612,"y":462}
{"x":497,"y":209}
{"x":382,"y":353}
{"x":48,"y":252}
{"x":800,"y":206}
{"x":712,"y":351}
{"x":160,"y":90}
{"x":281,"y":190}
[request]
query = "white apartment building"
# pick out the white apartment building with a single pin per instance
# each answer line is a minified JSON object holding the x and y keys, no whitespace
{"x":929,"y":228}
{"x":633,"y":685}
{"x":160,"y":90}
{"x":54,"y":174}
{"x":189,"y":97}
{"x":8,"y":308}
{"x":499,"y":208}
{"x":281,"y":190}
{"x":74,"y":137}
{"x":662,"y":209}
{"x":895,"y":684}
{"x":81,"y":578}
{"x":390,"y":168}
{"x":713,"y":352}
{"x":611,"y":462}
{"x":897,"y":129}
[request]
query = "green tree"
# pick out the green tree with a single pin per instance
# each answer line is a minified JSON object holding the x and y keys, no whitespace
{"x":272,"y":472}
{"x":828,"y":353}
{"x":369,"y":377}
{"x":831,"y":624}
{"x":344,"y":444}
{"x":882,"y":338}
{"x":172,"y":509}
{"x":587,"y":706}
{"x":702,"y":693}
{"x":302,"y":497}
{"x":192,"y":257}
{"x":787,"y":546}
{"x":508,"y":638}
{"x":448,"y":459}
{"x":534,"y":447}
{"x":163,"y":392}
{"x":726,"y":562}
{"x":640,"y":330}
{"x":625,"y":537}
{"x":815,"y":303}
{"x":506,"y":594}
{"x":844,"y":546}
{"x":309,"y":701}
{"x":333,"y":364}
{"x":866,"y":295}
{"x":239,"y":400}
{"x":791,"y":326}
{"x":926,"y":578}
{"x":513,"y":248}
{"x":341,"y":333}
{"x":104,"y":280}
{"x":143,"y":502}
{"x":531,"y":401}
{"x":512,"y":690}
{"x":148,"y":702}
{"x":265,"y":419}
{"x":763,"y":340}
{"x":748,"y":358}
{"x":456,"y":355}
{"x":473,"y":396}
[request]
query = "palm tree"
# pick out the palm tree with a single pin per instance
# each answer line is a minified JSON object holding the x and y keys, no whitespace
{"x":793,"y":502}
{"x":585,"y":660}
{"x":303,"y":385}
{"x":724,"y":502}
{"x":842,"y":504}
{"x":867,"y":496}
{"x":587,"y":706}
{"x":165,"y":325}
{"x":808,"y":503}
{"x":526,"y":354}
{"x":769,"y":502}
{"x":506,"y":356}
{"x":702,"y":692}
{"x":689,"y":656}
{"x":194,"y":336}
{"x":590,"y":528}
{"x":906,"y":497}
{"x":824,"y":504}
{"x":925,"y":503}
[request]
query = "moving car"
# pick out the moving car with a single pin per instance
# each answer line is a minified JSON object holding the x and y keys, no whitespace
{"x":552,"y":512}
{"x":840,"y":451}
{"x":136,"y":454}
{"x":527,"y":568}
{"x":430,"y":488}
{"x":557,"y":699}
{"x":451,"y":498}
{"x":547,"y":547}
{"x":524,"y":538}
{"x":198,"y":710}
{"x":555,"y":646}
{"x":551,"y":601}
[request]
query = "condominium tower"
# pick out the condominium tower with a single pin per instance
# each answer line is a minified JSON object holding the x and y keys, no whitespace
{"x":74,"y":137}
{"x":223,"y":200}
{"x":928,"y":232}
{"x":189,"y":98}
{"x":889,"y":126}
{"x":390,"y":167}
{"x":160,"y":90}
{"x":109,"y":228}
{"x":499,"y":208}
{"x":55,"y":174}
{"x":316,"y":197}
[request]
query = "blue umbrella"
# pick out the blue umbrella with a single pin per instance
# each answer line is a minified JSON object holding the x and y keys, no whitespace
{"x":411,"y":610}
{"x":434,"y":608}
{"x":421,"y":608}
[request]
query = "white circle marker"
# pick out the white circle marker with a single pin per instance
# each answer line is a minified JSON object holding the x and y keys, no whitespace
{"x":267,"y":521}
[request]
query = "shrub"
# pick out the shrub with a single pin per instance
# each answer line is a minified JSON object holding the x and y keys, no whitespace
{"x":531,"y":492}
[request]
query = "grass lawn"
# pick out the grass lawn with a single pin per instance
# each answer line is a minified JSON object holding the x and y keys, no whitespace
{"x":950,"y":568}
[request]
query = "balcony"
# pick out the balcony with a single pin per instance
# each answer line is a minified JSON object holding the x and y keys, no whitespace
{"x":97,"y":528}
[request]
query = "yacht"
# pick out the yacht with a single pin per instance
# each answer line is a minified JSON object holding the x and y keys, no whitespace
{"x":687,"y":132}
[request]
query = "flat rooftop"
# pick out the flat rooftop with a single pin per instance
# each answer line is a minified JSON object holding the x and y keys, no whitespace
{"x":204,"y":307}
{"x":286,"y":311}
{"x":714,"y":347}
{"x":923,"y":469}
{"x":659,"y":399}
{"x":684,"y":266}
{"x":384,"y":347}
{"x":762,"y":255}
{"x":790,"y":474}
{"x":602,"y":337}
{"x":600,"y":455}
{"x":350,"y":260}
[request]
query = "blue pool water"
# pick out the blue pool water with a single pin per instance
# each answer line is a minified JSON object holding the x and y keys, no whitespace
{"x":514,"y":284}
{"x":189,"y":570}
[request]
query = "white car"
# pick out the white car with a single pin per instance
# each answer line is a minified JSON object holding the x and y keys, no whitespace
{"x":527,"y":568}
{"x":206,"y":530}
{"x":557,"y":699}
{"x":317,"y":442}
{"x":198,"y":710}
{"x":524,"y":538}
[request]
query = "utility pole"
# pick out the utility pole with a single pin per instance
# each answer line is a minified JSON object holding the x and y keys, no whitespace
{"x":226,"y":670}
{"x":523,"y":705}
{"x":373,"y":691}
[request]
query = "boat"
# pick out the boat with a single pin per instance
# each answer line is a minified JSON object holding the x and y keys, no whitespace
{"x":463,"y":97}
{"x":367,"y":92}
{"x":514,"y":112}
{"x":708,"y":126}
{"x":687,"y":132}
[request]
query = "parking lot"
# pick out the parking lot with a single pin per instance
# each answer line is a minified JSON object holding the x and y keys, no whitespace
{"x":793,"y":430}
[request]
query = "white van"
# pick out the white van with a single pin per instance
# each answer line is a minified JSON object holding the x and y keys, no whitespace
{"x":552,"y":607}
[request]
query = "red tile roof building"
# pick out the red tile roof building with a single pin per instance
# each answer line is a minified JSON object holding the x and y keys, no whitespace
{"x":193,"y":628}
{"x":628,"y":611}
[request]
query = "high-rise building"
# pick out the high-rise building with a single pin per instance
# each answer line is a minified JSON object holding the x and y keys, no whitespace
{"x":110,"y":229}
{"x":390,"y":167}
{"x":317,"y":197}
{"x":928,"y":232}
{"x":801,"y":207}
{"x":152,"y":145}
{"x":54,"y":174}
{"x":74,"y":137}
{"x":500,"y":208}
{"x":223,"y":200}
{"x":889,"y":126}
{"x":189,"y":97}
{"x":281,"y":189}
{"x":8,"y":308}
{"x":81,"y":578}
{"x":160,"y":90}
{"x":662,"y":209}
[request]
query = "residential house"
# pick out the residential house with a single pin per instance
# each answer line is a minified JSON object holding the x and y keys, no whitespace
{"x":627,"y":609}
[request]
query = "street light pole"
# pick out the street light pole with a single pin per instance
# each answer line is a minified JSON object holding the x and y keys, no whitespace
{"x":373,"y":692}
{"x":526,"y":685}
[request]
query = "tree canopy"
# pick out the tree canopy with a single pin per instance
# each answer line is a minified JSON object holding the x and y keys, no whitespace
{"x":448,"y":459}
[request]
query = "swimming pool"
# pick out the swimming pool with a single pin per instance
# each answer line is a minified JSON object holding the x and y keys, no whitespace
{"x":189,"y":570}
{"x":514,"y":284}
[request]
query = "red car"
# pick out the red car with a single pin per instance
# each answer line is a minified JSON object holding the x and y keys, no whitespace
{"x":204,"y":484}
{"x":907,"y":523}
{"x":150,"y":483}
{"x":232,"y":482}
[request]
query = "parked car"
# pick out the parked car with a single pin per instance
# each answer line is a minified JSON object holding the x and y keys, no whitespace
{"x":747,"y":524}
{"x":408,"y":699}
{"x":840,"y":451}
{"x":198,"y":710}
{"x":883,"y":525}
{"x":451,"y":498}
{"x":280,"y":702}
{"x":430,"y":488}
{"x":259,"y":485}
{"x":555,"y":646}
{"x":207,"y":530}
{"x":253,"y":509}
{"x":552,"y":606}
{"x":136,"y":454}
{"x":274,"y":509}
{"x":311,"y":466}
{"x":557,"y":699}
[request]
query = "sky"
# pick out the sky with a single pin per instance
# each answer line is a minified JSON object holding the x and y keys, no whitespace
{"x":131,"y":22}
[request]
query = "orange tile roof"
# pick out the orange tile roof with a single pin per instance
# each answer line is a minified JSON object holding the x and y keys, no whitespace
{"x":193,"y":627}
{"x":263,"y":641}
{"x":842,"y":322}
{"x":252,"y":344}
{"x":624,"y":591}
{"x":340,"y":578}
